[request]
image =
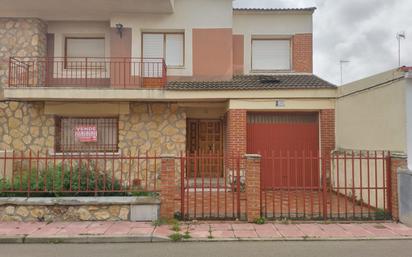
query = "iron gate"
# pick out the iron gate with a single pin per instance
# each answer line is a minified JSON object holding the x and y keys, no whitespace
{"x":212,"y":187}
{"x":353,"y":186}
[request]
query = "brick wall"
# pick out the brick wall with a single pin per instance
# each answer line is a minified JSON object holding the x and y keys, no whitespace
{"x":236,"y":132}
{"x":253,"y":187}
{"x":302,"y":53}
{"x":168,"y":187}
{"x":327,"y":130}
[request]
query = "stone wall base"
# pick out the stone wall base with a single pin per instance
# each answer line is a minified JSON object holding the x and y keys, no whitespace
{"x":79,"y":209}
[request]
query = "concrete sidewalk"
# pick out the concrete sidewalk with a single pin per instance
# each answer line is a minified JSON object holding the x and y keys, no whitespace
{"x":124,"y":232}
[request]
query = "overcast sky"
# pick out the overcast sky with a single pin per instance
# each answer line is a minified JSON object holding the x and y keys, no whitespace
{"x":361,"y":31}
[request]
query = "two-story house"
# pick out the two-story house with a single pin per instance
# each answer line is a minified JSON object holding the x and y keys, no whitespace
{"x":164,"y":76}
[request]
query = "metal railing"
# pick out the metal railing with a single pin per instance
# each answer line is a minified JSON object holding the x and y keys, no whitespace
{"x":39,"y":174}
{"x":338,"y":186}
{"x":294,"y":185}
{"x":89,"y":72}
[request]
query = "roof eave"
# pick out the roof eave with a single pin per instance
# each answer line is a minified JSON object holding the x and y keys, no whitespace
{"x":309,"y":10}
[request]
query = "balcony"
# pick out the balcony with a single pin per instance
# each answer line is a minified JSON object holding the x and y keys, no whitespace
{"x":82,"y":10}
{"x":88,"y":72}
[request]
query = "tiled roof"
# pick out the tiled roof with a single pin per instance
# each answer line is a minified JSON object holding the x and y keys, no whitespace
{"x":275,"y":9}
{"x":255,"y":82}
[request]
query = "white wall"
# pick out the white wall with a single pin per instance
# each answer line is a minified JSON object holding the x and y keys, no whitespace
{"x":262,"y":24}
{"x":408,"y":85}
{"x":188,"y":14}
{"x":372,"y":119}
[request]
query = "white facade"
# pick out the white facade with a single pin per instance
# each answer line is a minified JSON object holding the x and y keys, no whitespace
{"x":409,"y":119}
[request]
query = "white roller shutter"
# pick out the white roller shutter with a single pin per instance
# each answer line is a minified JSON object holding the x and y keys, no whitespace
{"x":153,"y":45}
{"x":85,"y":47}
{"x":174,"y":49}
{"x":271,"y":55}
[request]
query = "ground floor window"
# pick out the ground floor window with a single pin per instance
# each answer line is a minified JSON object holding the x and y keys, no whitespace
{"x":86,"y":134}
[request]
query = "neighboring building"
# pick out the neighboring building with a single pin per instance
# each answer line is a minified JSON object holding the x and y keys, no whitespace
{"x":374,"y":113}
{"x":161,"y":76}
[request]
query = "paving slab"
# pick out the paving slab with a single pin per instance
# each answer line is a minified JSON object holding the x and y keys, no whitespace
{"x":223,"y":234}
{"x":48,"y":230}
{"x":98,"y":228}
{"x":162,"y":231}
{"x":243,"y":226}
{"x":379,"y":230}
{"x":74,"y":228}
{"x":400,"y":229}
{"x":311,"y":230}
{"x":289,"y":231}
{"x":118,"y":228}
{"x":246,"y":234}
{"x":355,"y":230}
{"x":334,"y":230}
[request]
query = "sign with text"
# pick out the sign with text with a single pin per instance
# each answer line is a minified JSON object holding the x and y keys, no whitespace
{"x":86,"y":133}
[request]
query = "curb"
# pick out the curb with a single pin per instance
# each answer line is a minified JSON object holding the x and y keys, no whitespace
{"x":12,"y":239}
{"x":99,"y":239}
{"x":87,"y":239}
{"x":300,"y":239}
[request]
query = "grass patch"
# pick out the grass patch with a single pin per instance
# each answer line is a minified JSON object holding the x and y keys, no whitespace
{"x":260,"y":221}
{"x":176,"y":237}
{"x":187,"y":235}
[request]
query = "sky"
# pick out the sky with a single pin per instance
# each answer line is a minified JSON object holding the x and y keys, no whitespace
{"x":362,"y":32}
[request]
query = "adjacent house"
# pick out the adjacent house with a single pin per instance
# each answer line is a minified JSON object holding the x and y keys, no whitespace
{"x":374,"y":113}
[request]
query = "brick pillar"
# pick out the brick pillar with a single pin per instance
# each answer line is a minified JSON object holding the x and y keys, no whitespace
{"x":236,"y":132}
{"x":252,"y":186}
{"x":167,"y":187}
{"x":396,"y":163}
{"x":327,"y":130}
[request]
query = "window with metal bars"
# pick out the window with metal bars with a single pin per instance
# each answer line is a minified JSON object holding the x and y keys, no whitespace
{"x":86,"y":134}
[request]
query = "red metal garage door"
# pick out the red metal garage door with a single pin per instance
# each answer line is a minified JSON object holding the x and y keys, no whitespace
{"x":286,"y":141}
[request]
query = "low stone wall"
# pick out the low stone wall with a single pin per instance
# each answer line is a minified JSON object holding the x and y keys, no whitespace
{"x":79,"y":209}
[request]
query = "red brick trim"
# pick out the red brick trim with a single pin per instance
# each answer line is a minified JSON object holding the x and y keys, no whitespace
{"x":236,"y":132}
{"x":327,"y":130}
{"x":302,"y":51}
{"x":253,"y":187}
{"x":167,"y":188}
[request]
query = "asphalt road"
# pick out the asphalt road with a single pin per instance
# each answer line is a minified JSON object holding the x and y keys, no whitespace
{"x":402,"y":248}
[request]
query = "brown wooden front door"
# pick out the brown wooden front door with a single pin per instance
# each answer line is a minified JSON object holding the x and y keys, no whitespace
{"x":205,"y":137}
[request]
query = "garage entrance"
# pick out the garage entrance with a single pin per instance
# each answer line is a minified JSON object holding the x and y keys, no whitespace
{"x":280,"y":138}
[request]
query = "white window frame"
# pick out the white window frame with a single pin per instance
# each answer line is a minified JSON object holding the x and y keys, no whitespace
{"x":164,"y":46}
{"x":272,"y":70}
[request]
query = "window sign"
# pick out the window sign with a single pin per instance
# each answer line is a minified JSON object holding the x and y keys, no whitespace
{"x":86,"y":133}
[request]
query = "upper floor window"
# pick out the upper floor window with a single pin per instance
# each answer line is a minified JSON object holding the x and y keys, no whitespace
{"x":271,"y":55}
{"x":85,"y":47}
{"x":169,"y":46}
{"x":90,"y":47}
